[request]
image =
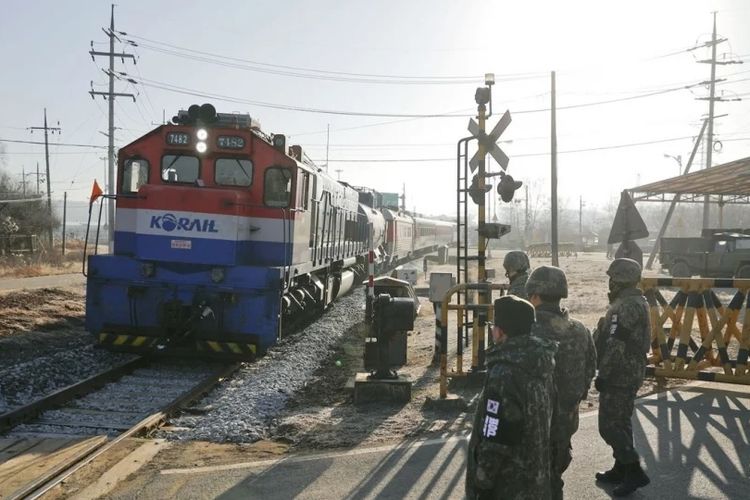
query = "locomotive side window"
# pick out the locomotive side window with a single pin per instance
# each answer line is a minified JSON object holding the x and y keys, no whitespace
{"x":233,"y":172}
{"x":179,"y":168}
{"x":303,"y":188}
{"x":277,"y":187}
{"x":134,"y":175}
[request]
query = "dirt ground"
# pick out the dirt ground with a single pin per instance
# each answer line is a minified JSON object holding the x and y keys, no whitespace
{"x":45,"y":309}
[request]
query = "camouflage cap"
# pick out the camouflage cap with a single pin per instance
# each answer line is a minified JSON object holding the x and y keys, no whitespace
{"x":624,"y":271}
{"x":514,"y":315}
{"x":547,"y":280}
{"x":516,"y":261}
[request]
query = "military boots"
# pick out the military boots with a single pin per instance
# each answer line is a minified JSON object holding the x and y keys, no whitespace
{"x":634,"y":478}
{"x":615,"y":475}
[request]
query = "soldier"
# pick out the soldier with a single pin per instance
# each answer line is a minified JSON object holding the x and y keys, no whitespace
{"x":509,"y":455}
{"x":622,"y":340}
{"x":516,"y":264}
{"x":575,"y":362}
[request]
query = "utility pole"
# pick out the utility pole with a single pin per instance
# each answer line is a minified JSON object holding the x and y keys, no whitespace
{"x":23,"y":177}
{"x":37,"y":178}
{"x":553,"y":196}
{"x":711,"y":99}
{"x":65,"y":217}
{"x":526,"y":215}
{"x":580,"y":221}
{"x":110,"y":97}
{"x":47,"y":131}
{"x":328,"y":140}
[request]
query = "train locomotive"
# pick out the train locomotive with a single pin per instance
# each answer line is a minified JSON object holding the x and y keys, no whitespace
{"x":225,"y":239}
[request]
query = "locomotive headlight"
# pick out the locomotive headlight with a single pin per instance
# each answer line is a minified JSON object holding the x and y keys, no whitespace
{"x":201,"y":134}
{"x":148,"y":269}
{"x":217,"y":274}
{"x":201,"y":147}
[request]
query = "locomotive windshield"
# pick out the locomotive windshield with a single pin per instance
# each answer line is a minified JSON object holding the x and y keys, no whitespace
{"x":278,"y":187}
{"x":179,"y":168}
{"x":233,"y":172}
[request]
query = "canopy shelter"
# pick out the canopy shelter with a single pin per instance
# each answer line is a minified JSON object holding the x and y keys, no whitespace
{"x":723,"y":184}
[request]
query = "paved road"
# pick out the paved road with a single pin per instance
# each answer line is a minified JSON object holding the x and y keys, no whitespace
{"x":694,"y":442}
{"x":51,"y":281}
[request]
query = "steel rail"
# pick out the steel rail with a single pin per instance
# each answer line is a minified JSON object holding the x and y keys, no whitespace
{"x":49,"y":481}
{"x":21,"y":414}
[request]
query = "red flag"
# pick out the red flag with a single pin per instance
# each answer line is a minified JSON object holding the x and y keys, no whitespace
{"x":96,"y":192}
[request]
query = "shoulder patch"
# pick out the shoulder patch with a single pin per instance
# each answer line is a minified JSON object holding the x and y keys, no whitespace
{"x":493,"y":406}
{"x":490,"y":426}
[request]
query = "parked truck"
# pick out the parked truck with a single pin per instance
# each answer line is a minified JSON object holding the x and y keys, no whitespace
{"x":717,"y":253}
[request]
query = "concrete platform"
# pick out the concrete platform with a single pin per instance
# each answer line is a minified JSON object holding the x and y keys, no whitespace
{"x":694,"y":441}
{"x":367,"y":390}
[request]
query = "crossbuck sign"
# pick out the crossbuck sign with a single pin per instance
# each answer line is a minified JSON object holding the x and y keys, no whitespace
{"x":489,"y":141}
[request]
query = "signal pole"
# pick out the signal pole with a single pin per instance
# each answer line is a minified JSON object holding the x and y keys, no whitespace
{"x":47,"y":130}
{"x":553,"y":195}
{"x":110,"y":96}
{"x":711,"y":99}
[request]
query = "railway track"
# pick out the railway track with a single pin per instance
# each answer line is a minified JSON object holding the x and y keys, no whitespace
{"x":100,"y":412}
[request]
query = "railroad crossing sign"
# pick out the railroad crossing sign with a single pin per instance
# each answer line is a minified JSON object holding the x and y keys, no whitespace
{"x":489,"y":142}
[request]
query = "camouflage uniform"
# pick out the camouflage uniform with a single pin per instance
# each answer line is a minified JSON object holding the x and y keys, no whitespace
{"x":517,"y":264}
{"x":622,"y":338}
{"x":509,"y":450}
{"x":575,"y":364}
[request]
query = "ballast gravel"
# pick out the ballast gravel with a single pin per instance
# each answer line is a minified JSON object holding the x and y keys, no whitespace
{"x":241,"y":410}
{"x":24,"y":383}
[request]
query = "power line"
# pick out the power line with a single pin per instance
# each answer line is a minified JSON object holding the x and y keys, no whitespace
{"x":521,"y":155}
{"x":287,"y":107}
{"x":343,"y":76}
{"x":54,"y":143}
{"x":314,"y":73}
{"x":52,"y":153}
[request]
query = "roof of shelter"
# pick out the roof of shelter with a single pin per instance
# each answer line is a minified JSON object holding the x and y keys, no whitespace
{"x":727,"y":183}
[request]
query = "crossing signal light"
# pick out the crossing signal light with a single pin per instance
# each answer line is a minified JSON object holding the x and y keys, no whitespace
{"x":507,"y":187}
{"x":477,"y":194}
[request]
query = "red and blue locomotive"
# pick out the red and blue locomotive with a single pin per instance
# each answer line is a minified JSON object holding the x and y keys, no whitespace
{"x":224,"y":239}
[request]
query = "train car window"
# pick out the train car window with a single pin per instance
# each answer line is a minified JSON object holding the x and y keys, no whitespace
{"x":303,"y":189}
{"x":233,"y":172}
{"x":180,"y":168}
{"x":134,"y":175}
{"x":278,"y":187}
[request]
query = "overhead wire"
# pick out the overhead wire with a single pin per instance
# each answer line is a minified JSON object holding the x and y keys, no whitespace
{"x":353,"y":77}
{"x":18,"y":141}
{"x":315,"y":73}
{"x":287,"y":107}
{"x":520,"y":155}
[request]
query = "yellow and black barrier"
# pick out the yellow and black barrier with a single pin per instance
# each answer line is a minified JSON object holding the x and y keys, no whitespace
{"x":149,"y":343}
{"x":123,"y":340}
{"x":481,"y":314}
{"x":696,"y":301}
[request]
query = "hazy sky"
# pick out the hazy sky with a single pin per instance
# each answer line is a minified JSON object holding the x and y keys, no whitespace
{"x":419,"y":57}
